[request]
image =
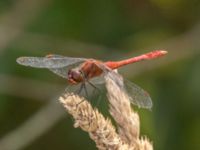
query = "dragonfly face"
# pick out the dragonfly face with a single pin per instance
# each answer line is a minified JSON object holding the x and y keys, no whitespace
{"x":75,"y":76}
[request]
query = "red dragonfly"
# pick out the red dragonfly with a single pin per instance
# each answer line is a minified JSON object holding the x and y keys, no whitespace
{"x":84,"y":70}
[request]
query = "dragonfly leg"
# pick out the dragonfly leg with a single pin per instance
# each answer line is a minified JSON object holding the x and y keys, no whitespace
{"x":80,"y":89}
{"x":95,"y":87}
{"x":85,"y":89}
{"x":80,"y":102}
{"x":83,"y":83}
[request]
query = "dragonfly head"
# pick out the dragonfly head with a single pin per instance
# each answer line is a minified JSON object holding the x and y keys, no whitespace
{"x":75,"y":76}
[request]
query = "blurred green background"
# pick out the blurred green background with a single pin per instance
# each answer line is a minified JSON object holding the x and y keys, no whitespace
{"x":30,"y":115}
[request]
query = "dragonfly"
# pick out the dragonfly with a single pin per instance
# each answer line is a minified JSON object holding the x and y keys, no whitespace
{"x":89,"y":70}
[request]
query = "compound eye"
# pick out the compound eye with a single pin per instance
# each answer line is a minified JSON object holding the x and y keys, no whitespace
{"x":75,"y":75}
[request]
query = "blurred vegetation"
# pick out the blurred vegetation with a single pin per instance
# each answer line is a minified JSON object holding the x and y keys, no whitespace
{"x":105,"y":30}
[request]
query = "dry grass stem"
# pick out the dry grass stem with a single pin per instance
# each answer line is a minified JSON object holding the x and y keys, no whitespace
{"x":90,"y":120}
{"x":127,"y":120}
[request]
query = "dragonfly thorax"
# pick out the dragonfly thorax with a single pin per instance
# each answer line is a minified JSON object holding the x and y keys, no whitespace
{"x":75,"y":76}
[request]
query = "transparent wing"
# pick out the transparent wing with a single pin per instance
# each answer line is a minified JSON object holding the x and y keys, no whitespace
{"x":52,"y":61}
{"x":98,"y":80}
{"x":109,"y":73}
{"x":137,"y":95}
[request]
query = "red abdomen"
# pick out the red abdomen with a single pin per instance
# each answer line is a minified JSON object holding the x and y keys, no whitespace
{"x":147,"y":56}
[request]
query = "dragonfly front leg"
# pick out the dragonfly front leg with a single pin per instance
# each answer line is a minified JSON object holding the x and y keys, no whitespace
{"x":86,"y":92}
{"x":80,"y":89}
{"x":95,"y":87}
